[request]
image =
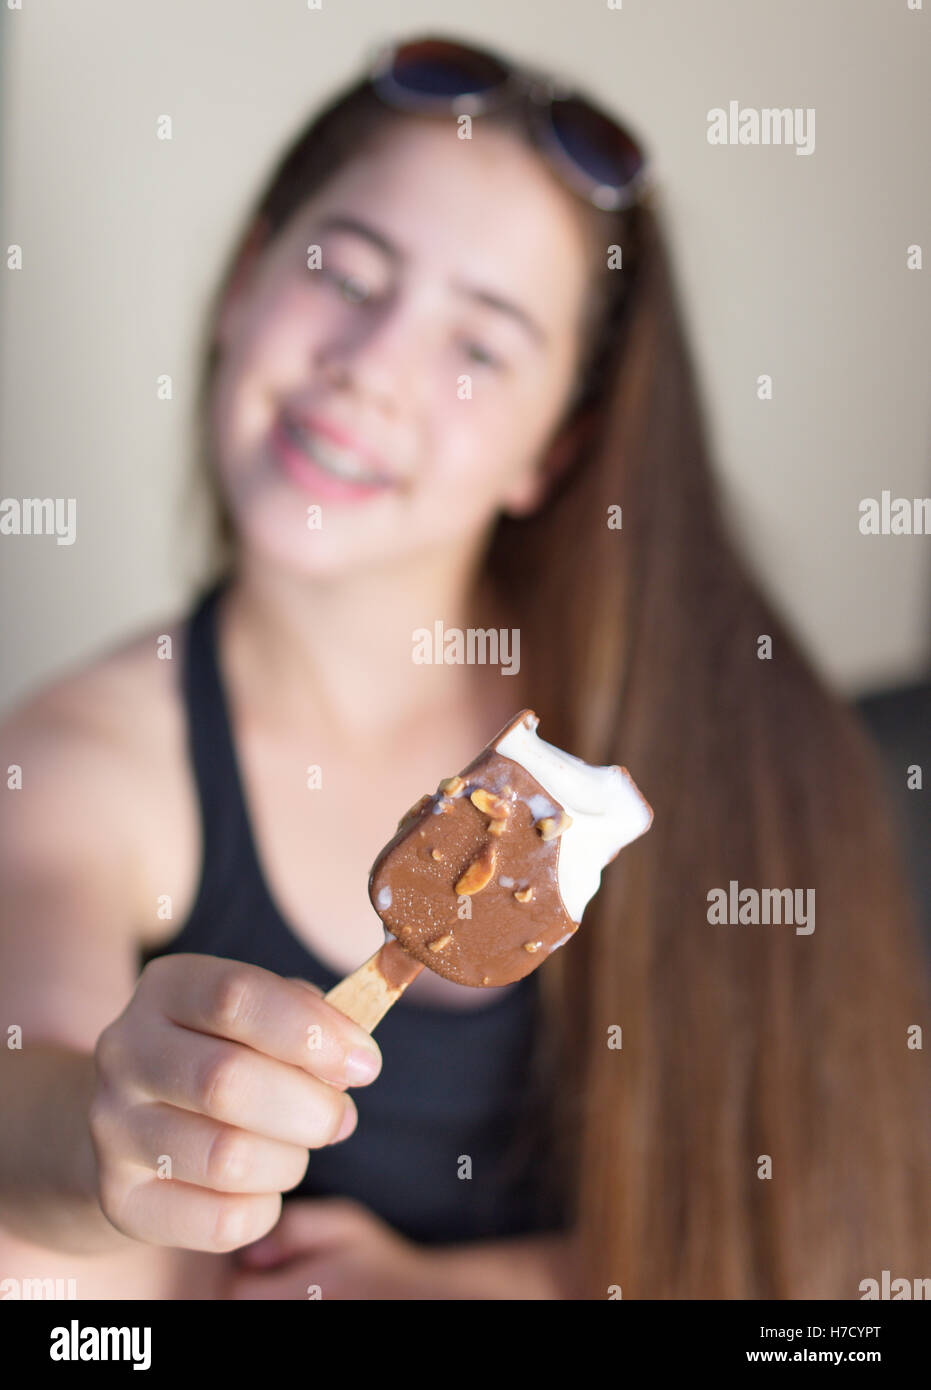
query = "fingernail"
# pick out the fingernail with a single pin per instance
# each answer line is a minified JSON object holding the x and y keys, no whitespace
{"x":361,"y":1066}
{"x":350,"y":1120}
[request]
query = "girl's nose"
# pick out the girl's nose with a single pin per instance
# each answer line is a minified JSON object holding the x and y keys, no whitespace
{"x":377,"y":355}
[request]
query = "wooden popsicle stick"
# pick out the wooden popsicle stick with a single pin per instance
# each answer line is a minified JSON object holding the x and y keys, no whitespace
{"x":367,"y":994}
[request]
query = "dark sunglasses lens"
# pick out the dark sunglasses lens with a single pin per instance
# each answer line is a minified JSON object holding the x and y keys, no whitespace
{"x":436,"y":69}
{"x":595,"y":143}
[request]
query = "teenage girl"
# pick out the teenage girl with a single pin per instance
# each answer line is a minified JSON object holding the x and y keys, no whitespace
{"x":445,"y":377}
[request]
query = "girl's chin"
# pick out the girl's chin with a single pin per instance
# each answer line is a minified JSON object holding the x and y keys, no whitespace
{"x":301,"y":547}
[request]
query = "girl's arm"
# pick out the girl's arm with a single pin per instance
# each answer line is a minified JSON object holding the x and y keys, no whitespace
{"x":66,"y":965}
{"x":47,"y":1166}
{"x":522,"y":1267}
{"x":342,"y":1248}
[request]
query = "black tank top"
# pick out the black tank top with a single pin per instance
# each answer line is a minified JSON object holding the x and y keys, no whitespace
{"x":455,"y":1085}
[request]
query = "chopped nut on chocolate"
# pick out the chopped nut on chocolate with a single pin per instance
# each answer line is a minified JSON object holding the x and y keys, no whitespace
{"x":480,"y":872}
{"x":451,"y":785}
{"x":489,"y":804}
{"x":532,"y":946}
{"x":523,"y":895}
{"x":551,"y":826}
{"x":441,"y":942}
{"x":497,"y":827}
{"x":435,"y":854}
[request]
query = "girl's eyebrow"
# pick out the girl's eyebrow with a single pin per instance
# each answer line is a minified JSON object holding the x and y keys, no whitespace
{"x":340,"y":222}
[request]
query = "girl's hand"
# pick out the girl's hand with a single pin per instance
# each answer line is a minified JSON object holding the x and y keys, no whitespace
{"x":211,"y":1086}
{"x":333,"y":1248}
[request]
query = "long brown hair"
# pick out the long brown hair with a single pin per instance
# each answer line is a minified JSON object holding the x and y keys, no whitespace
{"x":739,"y":1043}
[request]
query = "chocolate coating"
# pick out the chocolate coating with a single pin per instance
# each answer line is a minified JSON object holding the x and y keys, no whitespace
{"x":486,"y":936}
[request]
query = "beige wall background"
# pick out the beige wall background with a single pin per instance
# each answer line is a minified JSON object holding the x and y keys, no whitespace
{"x":789,"y":265}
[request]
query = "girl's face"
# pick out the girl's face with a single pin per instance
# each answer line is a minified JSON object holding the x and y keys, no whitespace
{"x":408,"y":388}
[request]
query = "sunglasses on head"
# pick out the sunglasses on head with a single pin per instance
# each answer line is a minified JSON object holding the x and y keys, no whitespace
{"x":591,"y":152}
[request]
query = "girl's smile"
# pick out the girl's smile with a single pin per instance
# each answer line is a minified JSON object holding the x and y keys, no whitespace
{"x":311,"y":454}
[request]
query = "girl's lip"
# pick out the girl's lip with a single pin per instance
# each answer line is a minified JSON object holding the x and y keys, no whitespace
{"x":312,"y":477}
{"x":320,"y":425}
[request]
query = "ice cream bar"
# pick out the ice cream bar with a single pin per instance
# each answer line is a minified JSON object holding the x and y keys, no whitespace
{"x":492,"y":873}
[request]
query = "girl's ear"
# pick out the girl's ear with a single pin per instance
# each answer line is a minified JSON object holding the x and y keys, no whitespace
{"x":249,"y":251}
{"x":527,"y":495}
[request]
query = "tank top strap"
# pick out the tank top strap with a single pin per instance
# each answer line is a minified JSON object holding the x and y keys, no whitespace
{"x":228,"y":851}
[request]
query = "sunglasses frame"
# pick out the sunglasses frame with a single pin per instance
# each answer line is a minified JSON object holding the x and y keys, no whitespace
{"x":538,"y":93}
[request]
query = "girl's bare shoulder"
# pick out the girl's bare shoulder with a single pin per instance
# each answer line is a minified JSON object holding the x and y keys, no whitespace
{"x":112,"y":704}
{"x":96,"y":748}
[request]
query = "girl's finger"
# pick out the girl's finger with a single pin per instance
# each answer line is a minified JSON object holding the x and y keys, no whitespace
{"x":247,"y":1004}
{"x":160,"y":1212}
{"x":297,"y":980}
{"x":237,"y":1086}
{"x":185,"y":1147}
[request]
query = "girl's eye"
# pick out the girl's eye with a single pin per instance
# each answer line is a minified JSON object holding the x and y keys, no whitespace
{"x":353,"y":290}
{"x":481,"y":355}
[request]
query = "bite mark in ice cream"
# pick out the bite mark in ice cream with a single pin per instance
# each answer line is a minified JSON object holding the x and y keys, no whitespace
{"x":484,"y":879}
